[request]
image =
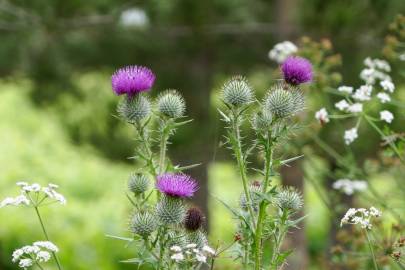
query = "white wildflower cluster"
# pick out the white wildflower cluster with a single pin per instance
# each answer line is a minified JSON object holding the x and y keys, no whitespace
{"x":41,"y":194}
{"x":349,"y":187}
{"x":282,"y":50}
{"x":191,"y":253}
{"x":376,"y":70}
{"x":38,"y":252}
{"x":360,"y":216}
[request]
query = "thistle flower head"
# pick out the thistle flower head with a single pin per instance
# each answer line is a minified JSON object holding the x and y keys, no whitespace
{"x":170,"y":210}
{"x":176,"y":185}
{"x":194,"y":219}
{"x":143,"y":223}
{"x":132,"y":80}
{"x":138,"y":183}
{"x":171,"y":104}
{"x":237,"y":91}
{"x":283,"y":101}
{"x":254,"y":188}
{"x":197,"y":239}
{"x":297,"y":70}
{"x":134,"y":108}
{"x":289,"y":199}
{"x":262,"y":121}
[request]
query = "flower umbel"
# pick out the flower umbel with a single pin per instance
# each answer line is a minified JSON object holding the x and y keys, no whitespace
{"x":132,"y":80}
{"x":297,"y":70}
{"x":176,"y":185}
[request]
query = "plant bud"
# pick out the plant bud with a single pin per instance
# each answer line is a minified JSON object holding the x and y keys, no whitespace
{"x":170,"y":210}
{"x":289,"y":199}
{"x":171,"y":104}
{"x":284,"y":101}
{"x":237,"y":91}
{"x":143,"y":224}
{"x":134,"y":108}
{"x":194,"y":219}
{"x":138,"y":183}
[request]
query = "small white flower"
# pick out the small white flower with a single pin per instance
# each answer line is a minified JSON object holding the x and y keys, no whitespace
{"x":208,"y":249}
{"x":348,"y":186}
{"x":201,"y":258}
{"x":192,"y":245}
{"x":402,"y":57}
{"x":47,"y":245}
{"x":24,"y":263}
{"x":342,"y":105}
{"x":345,"y":89}
{"x":387,"y":85}
{"x":175,"y":248}
{"x":177,"y":257}
{"x":360,"y":216}
{"x":22,"y":184}
{"x":383,"y":97}
{"x":282,"y":50}
{"x":21,"y":199}
{"x":375,"y":212}
{"x":322,"y":116}
{"x":17,"y":254}
{"x":363,"y":93}
{"x":377,"y":64}
{"x":386,"y":116}
{"x":43,"y":256}
{"x":355,"y":108}
{"x":350,"y":135}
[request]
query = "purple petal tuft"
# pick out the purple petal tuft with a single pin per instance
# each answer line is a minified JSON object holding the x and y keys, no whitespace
{"x":176,"y":185}
{"x":132,"y":80}
{"x":297,"y":70}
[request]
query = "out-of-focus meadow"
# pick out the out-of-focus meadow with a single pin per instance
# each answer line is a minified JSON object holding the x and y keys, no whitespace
{"x":57,"y":110}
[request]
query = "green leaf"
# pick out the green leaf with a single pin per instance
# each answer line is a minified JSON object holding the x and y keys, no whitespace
{"x":120,"y":238}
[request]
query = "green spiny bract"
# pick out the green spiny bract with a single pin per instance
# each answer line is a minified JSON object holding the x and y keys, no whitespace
{"x":237,"y":91}
{"x":289,"y":199}
{"x":197,"y":237}
{"x":143,"y":224}
{"x":171,"y":104}
{"x":134,"y":108}
{"x":262,"y":121}
{"x":170,"y":210}
{"x":176,"y":239}
{"x":283,"y":101}
{"x":138,"y":183}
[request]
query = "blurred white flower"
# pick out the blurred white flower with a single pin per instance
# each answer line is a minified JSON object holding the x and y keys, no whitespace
{"x":24,"y":263}
{"x":350,"y":135}
{"x":134,"y":17}
{"x":208,"y":249}
{"x":177,"y":257}
{"x":363,"y":93}
{"x":348,"y":186}
{"x":386,"y":116}
{"x":345,"y":89}
{"x":192,"y":245}
{"x":282,"y":50}
{"x":201,"y":257}
{"x":360,"y":216}
{"x":377,"y":64}
{"x":388,"y":86}
{"x":383,"y":97}
{"x":175,"y":248}
{"x":19,"y":200}
{"x":402,"y":57}
{"x":36,"y":254}
{"x":355,"y":108}
{"x":322,"y":116}
{"x":342,"y":105}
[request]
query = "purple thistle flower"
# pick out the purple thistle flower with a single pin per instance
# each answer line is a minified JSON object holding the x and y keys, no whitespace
{"x":296,"y":70}
{"x":176,"y":185}
{"x":131,"y":80}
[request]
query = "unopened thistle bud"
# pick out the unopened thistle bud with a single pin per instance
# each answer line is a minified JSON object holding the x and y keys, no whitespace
{"x":194,"y":219}
{"x":284,"y":101}
{"x":138,"y":183}
{"x":143,"y":224}
{"x":134,"y":108}
{"x":197,"y":237}
{"x":237,"y":91}
{"x":254,"y":188}
{"x":171,"y":104}
{"x":176,"y":239}
{"x":170,"y":210}
{"x":262,"y":121}
{"x":289,"y":199}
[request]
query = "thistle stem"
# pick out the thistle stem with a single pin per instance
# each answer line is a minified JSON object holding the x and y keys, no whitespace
{"x":278,"y":241}
{"x":371,"y":249}
{"x":263,"y":204}
{"x":46,"y":236}
{"x":242,"y":166}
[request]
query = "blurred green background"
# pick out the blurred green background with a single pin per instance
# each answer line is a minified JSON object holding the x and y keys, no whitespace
{"x":57,"y":109}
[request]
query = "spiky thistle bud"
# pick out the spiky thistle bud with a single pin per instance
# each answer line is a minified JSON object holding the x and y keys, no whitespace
{"x":171,"y":104}
{"x":143,"y":224}
{"x":176,"y":239}
{"x":237,"y":91}
{"x":197,"y":237}
{"x":138,"y":183}
{"x":194,"y":219}
{"x":289,"y":199}
{"x":262,"y":121}
{"x":134,"y":108}
{"x":283,"y":101}
{"x":170,"y":210}
{"x":254,"y":188}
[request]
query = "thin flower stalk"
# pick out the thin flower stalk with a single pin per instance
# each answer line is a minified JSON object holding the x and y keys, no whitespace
{"x":371,"y":249}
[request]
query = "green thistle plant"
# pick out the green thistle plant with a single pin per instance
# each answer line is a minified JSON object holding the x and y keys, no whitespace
{"x":138,"y":183}
{"x":197,"y":237}
{"x":237,"y":91}
{"x":143,"y":224}
{"x":171,"y":104}
{"x":170,"y":210}
{"x":283,"y":101}
{"x":134,"y":108}
{"x":289,"y":199}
